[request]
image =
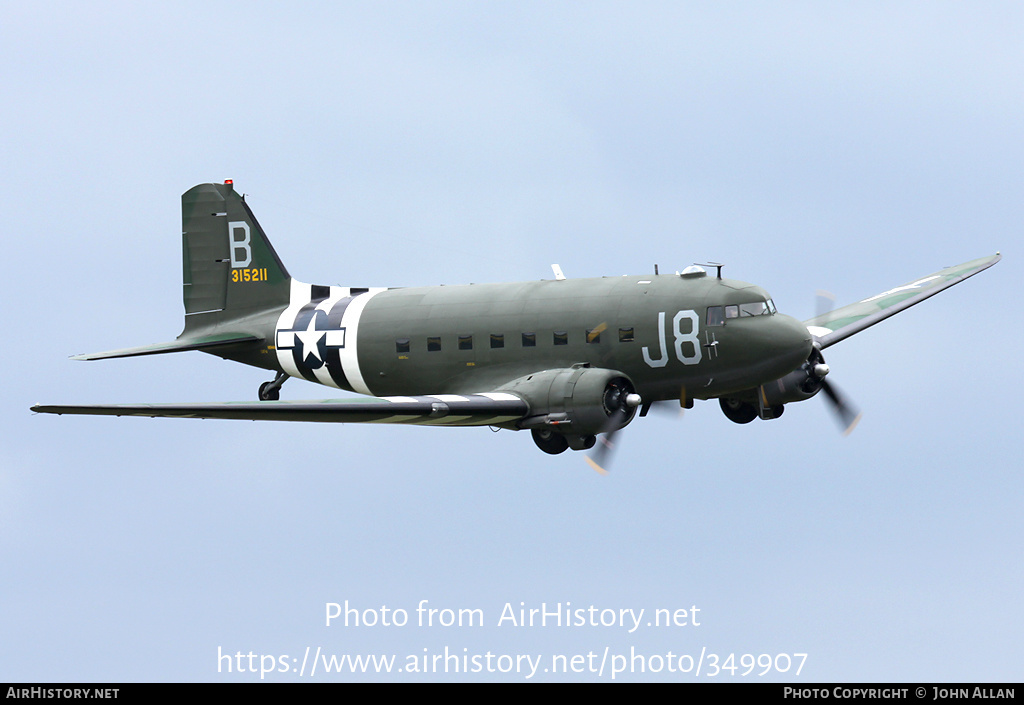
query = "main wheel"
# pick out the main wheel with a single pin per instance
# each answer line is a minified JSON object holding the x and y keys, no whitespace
{"x":549,"y":441}
{"x":738,"y":411}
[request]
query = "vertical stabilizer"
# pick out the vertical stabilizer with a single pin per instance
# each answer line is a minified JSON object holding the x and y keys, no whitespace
{"x":230,"y":269}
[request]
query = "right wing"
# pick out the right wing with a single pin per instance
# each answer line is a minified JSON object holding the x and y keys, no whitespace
{"x":489,"y":409}
{"x":840,"y":324}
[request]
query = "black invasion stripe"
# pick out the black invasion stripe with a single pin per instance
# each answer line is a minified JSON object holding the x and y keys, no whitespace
{"x":318,"y":292}
{"x":334,"y":354}
{"x":357,"y":290}
{"x":302,"y":319}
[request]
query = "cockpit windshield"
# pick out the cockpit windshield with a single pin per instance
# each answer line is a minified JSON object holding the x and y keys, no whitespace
{"x":717,"y":315}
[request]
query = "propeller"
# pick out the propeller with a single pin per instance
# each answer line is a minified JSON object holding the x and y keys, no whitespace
{"x":846,"y":414}
{"x":825,"y":301}
{"x":621,"y":400}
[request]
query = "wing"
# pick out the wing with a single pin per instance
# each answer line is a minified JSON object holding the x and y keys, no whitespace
{"x":491,"y":409}
{"x":840,"y":324}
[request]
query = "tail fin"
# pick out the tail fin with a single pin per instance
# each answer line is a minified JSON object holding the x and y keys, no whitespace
{"x":230,"y":268}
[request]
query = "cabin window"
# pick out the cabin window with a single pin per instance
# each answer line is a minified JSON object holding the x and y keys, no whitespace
{"x":716,"y":316}
{"x":465,"y":342}
{"x":434,"y":344}
{"x":497,"y":340}
{"x":529,"y":340}
{"x":732,"y":311}
{"x":626,"y":335}
{"x":561,"y":337}
{"x":594,"y":335}
{"x":402,"y":345}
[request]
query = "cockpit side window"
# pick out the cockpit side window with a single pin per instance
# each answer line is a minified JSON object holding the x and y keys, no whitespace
{"x":715,"y":316}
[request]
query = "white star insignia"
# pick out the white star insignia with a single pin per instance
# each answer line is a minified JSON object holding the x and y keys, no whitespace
{"x":310,"y":340}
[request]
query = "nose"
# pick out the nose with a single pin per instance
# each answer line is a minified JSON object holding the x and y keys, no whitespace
{"x":790,"y":339}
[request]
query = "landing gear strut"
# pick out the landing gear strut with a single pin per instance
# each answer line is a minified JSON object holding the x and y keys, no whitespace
{"x":271,"y":391}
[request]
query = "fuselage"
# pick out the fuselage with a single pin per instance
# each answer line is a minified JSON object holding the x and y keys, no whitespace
{"x":566,"y":359}
{"x":666,"y":332}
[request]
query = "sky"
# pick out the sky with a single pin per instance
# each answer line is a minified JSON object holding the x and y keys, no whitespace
{"x":849,"y":147}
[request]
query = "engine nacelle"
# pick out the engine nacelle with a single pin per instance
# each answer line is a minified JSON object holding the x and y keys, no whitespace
{"x":577,"y":401}
{"x":800,"y":384}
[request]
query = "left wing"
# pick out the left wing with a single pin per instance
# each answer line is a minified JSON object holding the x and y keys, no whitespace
{"x":489,"y":409}
{"x":840,"y":324}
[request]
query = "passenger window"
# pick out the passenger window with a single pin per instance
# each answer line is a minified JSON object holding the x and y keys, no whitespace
{"x":434,"y":344}
{"x":497,"y":340}
{"x":561,"y":337}
{"x":594,"y":335}
{"x":626,"y":335}
{"x":465,"y":342}
{"x":529,"y":340}
{"x":715,"y":316}
{"x":402,"y":345}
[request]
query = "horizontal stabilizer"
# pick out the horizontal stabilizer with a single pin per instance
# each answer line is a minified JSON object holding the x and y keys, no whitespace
{"x":198,"y":343}
{"x":440,"y":410}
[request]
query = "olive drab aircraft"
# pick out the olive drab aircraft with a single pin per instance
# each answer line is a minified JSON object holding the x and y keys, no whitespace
{"x":570,"y":360}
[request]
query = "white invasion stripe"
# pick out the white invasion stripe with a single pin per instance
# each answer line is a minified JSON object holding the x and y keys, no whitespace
{"x":300,"y":295}
{"x":500,"y":396}
{"x":349,"y":353}
{"x":448,"y":397}
{"x":400,"y":400}
{"x":905,"y":287}
{"x":818,"y":331}
{"x":323,"y":376}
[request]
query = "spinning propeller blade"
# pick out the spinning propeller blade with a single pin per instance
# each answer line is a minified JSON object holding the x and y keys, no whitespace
{"x":846,"y":414}
{"x":623,"y":404}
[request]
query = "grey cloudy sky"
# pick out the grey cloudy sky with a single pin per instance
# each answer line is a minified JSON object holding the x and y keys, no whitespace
{"x":850,"y":147}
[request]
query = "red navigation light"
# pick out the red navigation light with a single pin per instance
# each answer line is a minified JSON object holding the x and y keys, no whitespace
{"x":229,"y":182}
